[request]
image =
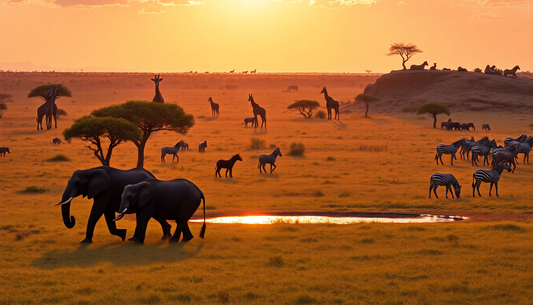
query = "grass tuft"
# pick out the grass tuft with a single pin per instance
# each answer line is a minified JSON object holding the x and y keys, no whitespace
{"x":34,"y":190}
{"x":306,"y":299}
{"x":223,"y":297}
{"x":257,"y":143}
{"x":376,"y":148}
{"x":297,"y":149}
{"x":319,"y":193}
{"x":58,"y":158}
{"x":276,"y":261}
{"x":506,"y":227}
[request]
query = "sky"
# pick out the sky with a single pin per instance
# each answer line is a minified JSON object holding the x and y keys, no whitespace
{"x":265,"y":35}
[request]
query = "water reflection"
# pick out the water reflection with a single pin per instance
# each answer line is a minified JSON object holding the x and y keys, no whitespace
{"x":269,"y":219}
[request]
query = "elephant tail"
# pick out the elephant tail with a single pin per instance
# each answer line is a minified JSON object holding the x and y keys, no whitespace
{"x":202,"y":232}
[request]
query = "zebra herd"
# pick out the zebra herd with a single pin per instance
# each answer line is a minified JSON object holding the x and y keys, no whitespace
{"x":503,"y":157}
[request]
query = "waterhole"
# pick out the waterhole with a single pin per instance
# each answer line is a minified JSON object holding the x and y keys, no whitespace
{"x":333,"y":219}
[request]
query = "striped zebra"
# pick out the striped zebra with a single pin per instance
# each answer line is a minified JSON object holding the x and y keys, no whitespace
{"x":449,"y":150}
{"x":271,"y":159}
{"x":525,"y":148}
{"x":171,"y":151}
{"x":482,"y":150}
{"x":467,"y":146}
{"x":444,"y":179}
{"x":491,"y":176}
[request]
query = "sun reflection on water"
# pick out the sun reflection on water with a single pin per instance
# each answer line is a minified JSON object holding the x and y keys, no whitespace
{"x":327,"y":220}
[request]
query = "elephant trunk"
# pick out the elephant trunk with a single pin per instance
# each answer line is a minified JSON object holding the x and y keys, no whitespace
{"x":120,"y":215}
{"x":68,"y":220}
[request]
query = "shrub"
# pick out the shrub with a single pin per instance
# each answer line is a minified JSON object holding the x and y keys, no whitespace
{"x":373,"y":147}
{"x":321,"y":114}
{"x":34,"y":190}
{"x":276,"y":261}
{"x":257,"y":143}
{"x":297,"y":149}
{"x":58,"y":158}
{"x":319,"y":194}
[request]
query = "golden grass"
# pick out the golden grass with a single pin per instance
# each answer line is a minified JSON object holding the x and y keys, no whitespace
{"x":382,"y":163}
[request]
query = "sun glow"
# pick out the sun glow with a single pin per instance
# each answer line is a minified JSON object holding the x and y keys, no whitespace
{"x":328,"y":220}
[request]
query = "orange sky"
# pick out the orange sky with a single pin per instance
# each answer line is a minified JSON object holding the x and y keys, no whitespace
{"x":270,"y":36}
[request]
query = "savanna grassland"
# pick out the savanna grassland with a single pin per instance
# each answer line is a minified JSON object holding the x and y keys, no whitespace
{"x":380,"y":163}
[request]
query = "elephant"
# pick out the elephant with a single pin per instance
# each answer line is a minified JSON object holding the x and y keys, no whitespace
{"x":174,"y":200}
{"x":105,"y":184}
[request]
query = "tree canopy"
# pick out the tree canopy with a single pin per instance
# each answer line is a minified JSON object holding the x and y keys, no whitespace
{"x":4,"y":98}
{"x":367,"y":99}
{"x":305,"y":107}
{"x":42,"y":89}
{"x":149,"y":117}
{"x":433,"y":109}
{"x":406,"y":51}
{"x":93,"y":129}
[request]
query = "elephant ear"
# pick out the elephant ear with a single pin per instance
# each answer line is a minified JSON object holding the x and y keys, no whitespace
{"x":97,"y":181}
{"x":146,"y":192}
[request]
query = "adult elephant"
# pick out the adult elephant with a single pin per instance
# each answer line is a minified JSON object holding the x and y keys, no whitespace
{"x":105,"y":184}
{"x":175,"y":199}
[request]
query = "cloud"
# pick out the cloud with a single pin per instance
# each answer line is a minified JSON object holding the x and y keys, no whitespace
{"x":341,"y":3}
{"x":500,"y":3}
{"x":490,"y":16}
{"x":401,"y":3}
{"x":89,"y":3}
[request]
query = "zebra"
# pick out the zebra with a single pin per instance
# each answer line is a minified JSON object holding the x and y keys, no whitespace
{"x":507,"y":155}
{"x":419,"y":67}
{"x":201,"y":146}
{"x":448,"y":149}
{"x":511,"y":71}
{"x":491,"y":176}
{"x":467,"y":146}
{"x":4,"y":150}
{"x":171,"y":151}
{"x":264,"y":159}
{"x":525,"y":148}
{"x":228,"y":165}
{"x":482,"y":150}
{"x":444,"y":179}
{"x":485,"y":126}
{"x":521,"y":139}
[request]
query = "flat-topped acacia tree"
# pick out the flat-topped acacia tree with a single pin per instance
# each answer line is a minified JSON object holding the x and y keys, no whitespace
{"x":406,"y":51}
{"x":149,"y":117}
{"x":433,"y":109}
{"x":93,"y":129}
{"x":367,"y":99}
{"x":305,"y":107}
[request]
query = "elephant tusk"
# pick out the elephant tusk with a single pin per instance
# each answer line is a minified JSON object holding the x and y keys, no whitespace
{"x":65,"y":202}
{"x":120,"y":215}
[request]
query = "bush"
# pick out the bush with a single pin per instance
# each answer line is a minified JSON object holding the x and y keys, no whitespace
{"x":59,"y":158}
{"x":34,"y":190}
{"x":321,"y":114}
{"x":297,"y":149}
{"x":257,"y":143}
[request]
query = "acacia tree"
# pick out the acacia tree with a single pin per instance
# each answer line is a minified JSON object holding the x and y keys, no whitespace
{"x":50,"y":97}
{"x":4,"y":98}
{"x":43,"y":89}
{"x":367,"y":99}
{"x":93,"y":129}
{"x":406,"y":51}
{"x":149,"y":117}
{"x":305,"y":107}
{"x":433,"y":109}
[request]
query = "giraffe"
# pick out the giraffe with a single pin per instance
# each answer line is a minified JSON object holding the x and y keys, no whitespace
{"x":48,"y":109}
{"x":331,"y":103}
{"x":258,"y":110}
{"x":214,"y":108}
{"x":158,"y":98}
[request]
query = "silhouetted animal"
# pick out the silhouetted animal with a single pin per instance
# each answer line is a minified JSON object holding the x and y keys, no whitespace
{"x":184,"y":145}
{"x":171,"y":151}
{"x":485,"y":126}
{"x":461,"y":69}
{"x":448,"y":149}
{"x":271,"y":159}
{"x":202,"y":146}
{"x":454,"y":126}
{"x":4,"y":150}
{"x":477,"y":70}
{"x":252,"y":120}
{"x":434,"y":67}
{"x":491,"y":176}
{"x":293,"y":88}
{"x":56,"y":141}
{"x":445,"y":125}
{"x":511,"y":71}
{"x":444,"y":179}
{"x":228,"y":165}
{"x":158,"y":98}
{"x":331,"y":104}
{"x":48,"y":109}
{"x":505,"y":157}
{"x":419,"y":67}
{"x":214,"y":108}
{"x":253,"y":71}
{"x":482,"y":150}
{"x":490,"y":70}
{"x":258,"y":111}
{"x":467,"y":126}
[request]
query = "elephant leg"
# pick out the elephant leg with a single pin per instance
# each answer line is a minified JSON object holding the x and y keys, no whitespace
{"x":96,"y":212}
{"x":179,"y":227}
{"x":165,"y":226}
{"x":140,"y":230}
{"x":187,"y":235}
{"x":112,"y":226}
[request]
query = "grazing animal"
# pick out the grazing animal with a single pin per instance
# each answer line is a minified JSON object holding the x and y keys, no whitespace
{"x":4,"y":150}
{"x":184,"y":145}
{"x":445,"y":125}
{"x":482,"y":150}
{"x":171,"y":151}
{"x":331,"y":104}
{"x":56,"y":140}
{"x":454,"y":126}
{"x":491,"y":176}
{"x":449,"y":150}
{"x":521,"y":138}
{"x":228,"y":165}
{"x":444,"y":179}
{"x":434,"y":67}
{"x":505,"y":157}
{"x":214,"y":108}
{"x":158,"y":98}
{"x":419,"y":67}
{"x":252,"y":120}
{"x":461,"y":69}
{"x":477,"y":70}
{"x":258,"y":111}
{"x":525,"y":148}
{"x":490,"y":70}
{"x":271,"y":159}
{"x":485,"y":126}
{"x":467,"y":146}
{"x":232,"y":71}
{"x":511,"y":71}
{"x":201,"y":146}
{"x":467,"y":126}
{"x":293,"y":88}
{"x":253,"y":71}
{"x":245,"y":72}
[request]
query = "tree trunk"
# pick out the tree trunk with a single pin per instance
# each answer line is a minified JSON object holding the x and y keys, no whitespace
{"x":434,"y":121}
{"x":140,"y":154}
{"x":366,"y":113}
{"x":403,"y":64}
